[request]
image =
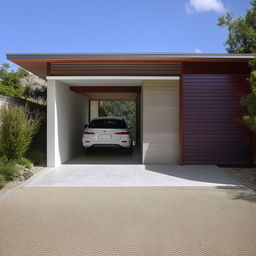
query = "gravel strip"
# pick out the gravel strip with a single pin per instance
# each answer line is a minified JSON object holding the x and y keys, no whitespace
{"x":17,"y":182}
{"x":246,"y":176}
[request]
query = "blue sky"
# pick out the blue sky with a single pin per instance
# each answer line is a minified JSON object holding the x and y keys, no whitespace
{"x":114,"y":25}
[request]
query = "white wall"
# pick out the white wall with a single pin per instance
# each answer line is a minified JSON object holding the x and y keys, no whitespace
{"x":160,"y":122}
{"x":67,"y":112}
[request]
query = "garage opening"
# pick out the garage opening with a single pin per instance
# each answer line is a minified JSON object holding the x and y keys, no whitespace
{"x":73,"y":102}
{"x":111,"y":102}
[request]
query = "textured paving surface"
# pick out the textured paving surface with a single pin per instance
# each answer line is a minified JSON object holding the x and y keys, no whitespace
{"x":129,"y":221}
{"x":133,"y":175}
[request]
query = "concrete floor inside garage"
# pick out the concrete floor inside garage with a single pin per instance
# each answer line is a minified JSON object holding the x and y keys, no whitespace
{"x":106,"y":156}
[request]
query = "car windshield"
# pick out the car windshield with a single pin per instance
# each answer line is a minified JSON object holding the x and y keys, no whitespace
{"x":107,"y":124}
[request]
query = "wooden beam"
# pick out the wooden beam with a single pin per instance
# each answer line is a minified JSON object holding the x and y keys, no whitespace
{"x":80,"y":89}
{"x":181,"y":126}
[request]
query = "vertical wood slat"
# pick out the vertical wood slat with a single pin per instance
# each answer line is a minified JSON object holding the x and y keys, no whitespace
{"x":181,"y":137}
{"x":216,"y":68}
{"x":132,"y":69}
{"x":48,"y":69}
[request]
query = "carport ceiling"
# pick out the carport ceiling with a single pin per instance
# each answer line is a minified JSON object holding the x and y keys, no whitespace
{"x":105,"y":89}
{"x":110,"y":96}
{"x":108,"y":92}
{"x":100,"y":82}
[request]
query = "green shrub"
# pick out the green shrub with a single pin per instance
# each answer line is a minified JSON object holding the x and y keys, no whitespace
{"x":36,"y":157}
{"x":17,"y":130}
{"x":2,"y":181}
{"x":8,"y":91}
{"x":8,"y":168}
{"x":25,"y":162}
{"x":249,"y":100}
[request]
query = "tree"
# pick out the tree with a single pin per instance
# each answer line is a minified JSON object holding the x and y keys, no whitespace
{"x":10,"y":81}
{"x":241,"y":31}
{"x":242,"y":39}
{"x":249,"y":101}
{"x":4,"y":70}
{"x":22,"y":84}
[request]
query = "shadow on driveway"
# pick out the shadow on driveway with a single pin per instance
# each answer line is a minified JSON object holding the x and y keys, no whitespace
{"x":240,"y":193}
{"x":201,"y":174}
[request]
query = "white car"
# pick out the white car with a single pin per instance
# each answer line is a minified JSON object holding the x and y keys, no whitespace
{"x":107,"y":131}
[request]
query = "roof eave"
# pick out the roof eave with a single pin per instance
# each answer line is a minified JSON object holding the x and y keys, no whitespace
{"x":121,"y":56}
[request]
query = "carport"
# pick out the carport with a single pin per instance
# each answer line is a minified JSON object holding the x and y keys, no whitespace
{"x":72,"y":102}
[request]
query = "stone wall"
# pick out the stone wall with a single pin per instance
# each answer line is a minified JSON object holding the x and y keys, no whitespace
{"x":11,"y":101}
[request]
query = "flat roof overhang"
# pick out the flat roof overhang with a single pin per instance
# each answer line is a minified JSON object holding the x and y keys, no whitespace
{"x":39,"y":63}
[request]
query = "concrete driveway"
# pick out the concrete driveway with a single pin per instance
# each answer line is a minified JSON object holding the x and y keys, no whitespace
{"x":60,"y":218}
{"x":117,"y":175}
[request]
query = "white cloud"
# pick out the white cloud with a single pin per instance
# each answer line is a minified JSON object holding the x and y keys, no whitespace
{"x":205,"y":6}
{"x":197,"y":50}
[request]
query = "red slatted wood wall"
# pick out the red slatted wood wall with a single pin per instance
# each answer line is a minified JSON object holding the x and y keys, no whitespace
{"x":212,"y":131}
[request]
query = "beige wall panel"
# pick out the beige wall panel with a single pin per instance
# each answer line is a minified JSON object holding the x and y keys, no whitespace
{"x":94,"y":109}
{"x":160,"y":118}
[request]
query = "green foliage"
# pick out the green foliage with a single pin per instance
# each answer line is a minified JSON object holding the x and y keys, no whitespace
{"x":28,"y":91}
{"x":21,"y":72}
{"x":13,"y":84}
{"x":40,"y":93}
{"x":2,"y":181}
{"x":8,"y":168}
{"x":242,"y":39}
{"x":39,"y":140}
{"x":241,"y":31}
{"x":4,"y":70}
{"x":126,"y":109}
{"x":12,"y":75}
{"x":9,"y":91}
{"x":35,"y":94}
{"x":250,"y":121}
{"x":25,"y":162}
{"x":249,"y":101}
{"x":17,"y":130}
{"x":10,"y":81}
{"x":36,"y":157}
